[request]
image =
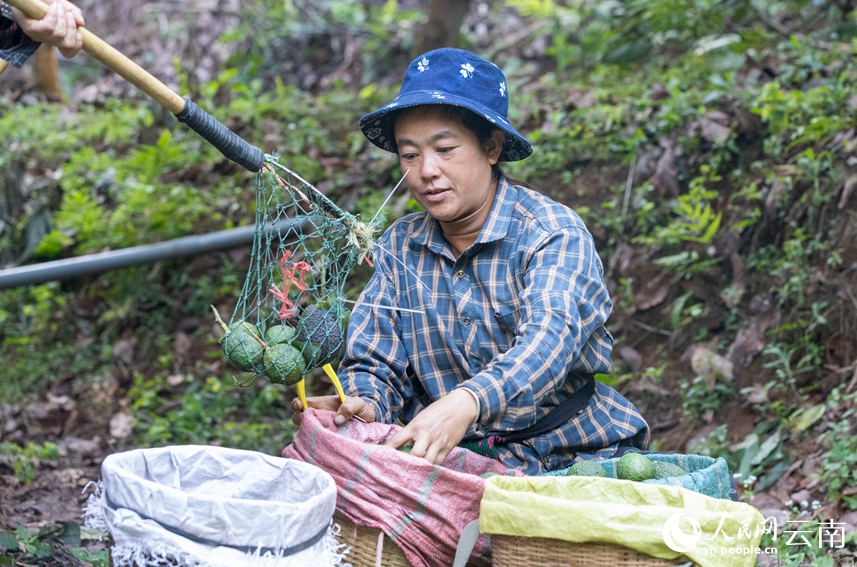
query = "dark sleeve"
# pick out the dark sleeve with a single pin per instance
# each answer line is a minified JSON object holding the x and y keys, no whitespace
{"x":15,"y":47}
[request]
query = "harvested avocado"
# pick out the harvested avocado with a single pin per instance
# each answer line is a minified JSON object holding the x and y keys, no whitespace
{"x":586,"y":468}
{"x":277,"y":334}
{"x":319,"y":337}
{"x":634,"y":466}
{"x":283,"y":363}
{"x":665,"y":470}
{"x":241,"y":343}
{"x":241,"y":347}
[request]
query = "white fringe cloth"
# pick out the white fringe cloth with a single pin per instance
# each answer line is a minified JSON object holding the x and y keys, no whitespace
{"x":198,"y":506}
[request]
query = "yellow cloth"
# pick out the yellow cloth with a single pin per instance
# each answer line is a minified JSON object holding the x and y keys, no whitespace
{"x":632,"y":514}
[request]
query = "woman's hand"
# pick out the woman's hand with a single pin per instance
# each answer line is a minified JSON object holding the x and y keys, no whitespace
{"x":58,"y":27}
{"x":436,"y":430}
{"x":345,"y":412}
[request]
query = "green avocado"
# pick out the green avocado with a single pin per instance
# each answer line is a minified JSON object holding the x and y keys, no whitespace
{"x":277,"y":334}
{"x":283,"y":363}
{"x":586,"y":468}
{"x":240,"y":346}
{"x":634,"y":466}
{"x":319,"y":337}
{"x":665,"y":470}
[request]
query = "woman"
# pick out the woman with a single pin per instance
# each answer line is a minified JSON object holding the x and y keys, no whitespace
{"x":492,"y":325}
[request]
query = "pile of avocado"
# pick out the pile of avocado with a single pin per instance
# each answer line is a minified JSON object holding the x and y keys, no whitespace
{"x":245,"y":350}
{"x":286,"y":353}
{"x":631,"y":466}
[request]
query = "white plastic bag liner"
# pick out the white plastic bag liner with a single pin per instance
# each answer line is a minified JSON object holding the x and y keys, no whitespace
{"x":201,"y":506}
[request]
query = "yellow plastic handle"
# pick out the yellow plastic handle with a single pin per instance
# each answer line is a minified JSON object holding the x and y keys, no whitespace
{"x":331,"y":373}
{"x":301,"y":388}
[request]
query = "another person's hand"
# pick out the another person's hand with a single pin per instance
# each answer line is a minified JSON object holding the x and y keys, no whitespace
{"x":345,"y":412}
{"x":437,"y":429}
{"x":58,"y":27}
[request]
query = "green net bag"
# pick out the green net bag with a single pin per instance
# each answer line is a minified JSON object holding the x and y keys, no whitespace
{"x":291,"y":315}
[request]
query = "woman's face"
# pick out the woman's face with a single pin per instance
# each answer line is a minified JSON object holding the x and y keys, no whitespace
{"x":449,"y":173}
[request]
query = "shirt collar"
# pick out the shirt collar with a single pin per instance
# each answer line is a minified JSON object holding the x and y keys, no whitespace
{"x":497,"y":225}
{"x":427,"y":231}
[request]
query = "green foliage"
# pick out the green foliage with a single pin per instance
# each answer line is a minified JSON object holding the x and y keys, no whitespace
{"x":381,"y":34}
{"x":792,"y":264}
{"x":803,"y":116}
{"x":715,"y":444}
{"x":148,"y":163}
{"x":26,"y":547}
{"x":210,"y":411}
{"x":585,"y":35}
{"x":38,"y":340}
{"x":43,"y":135}
{"x":43,"y":130}
{"x":839,"y":470}
{"x":24,"y":460}
{"x":100,"y":558}
{"x":836,"y":474}
{"x":698,"y":396}
{"x":131,"y":186}
{"x":809,"y":358}
{"x":29,"y":544}
{"x":557,"y":19}
{"x":757,"y":461}
{"x":694,"y":218}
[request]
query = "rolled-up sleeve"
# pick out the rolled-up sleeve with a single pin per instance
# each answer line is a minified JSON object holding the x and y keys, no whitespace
{"x":564,"y":301}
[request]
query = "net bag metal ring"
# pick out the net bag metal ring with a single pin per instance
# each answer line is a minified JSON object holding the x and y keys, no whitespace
{"x":199,"y":505}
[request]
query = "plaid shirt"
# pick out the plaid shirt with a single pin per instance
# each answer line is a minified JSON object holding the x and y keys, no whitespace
{"x":15,"y":47}
{"x":518,"y":319}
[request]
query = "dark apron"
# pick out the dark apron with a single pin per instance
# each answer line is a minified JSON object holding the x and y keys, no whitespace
{"x":558,"y":416}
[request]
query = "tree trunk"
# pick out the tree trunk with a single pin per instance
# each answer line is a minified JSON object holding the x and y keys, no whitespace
{"x":47,"y":73}
{"x":441,"y":30}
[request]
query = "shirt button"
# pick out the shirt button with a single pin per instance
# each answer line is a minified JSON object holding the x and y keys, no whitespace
{"x":459,"y":274}
{"x":466,"y":321}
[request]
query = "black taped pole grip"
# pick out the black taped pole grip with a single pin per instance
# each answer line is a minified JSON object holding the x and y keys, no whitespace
{"x":225,"y":140}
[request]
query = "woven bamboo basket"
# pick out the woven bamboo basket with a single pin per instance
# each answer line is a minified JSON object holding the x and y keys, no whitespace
{"x":512,"y":551}
{"x":369,"y":546}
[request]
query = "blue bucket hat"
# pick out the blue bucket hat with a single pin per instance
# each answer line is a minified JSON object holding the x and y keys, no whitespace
{"x":454,"y":77}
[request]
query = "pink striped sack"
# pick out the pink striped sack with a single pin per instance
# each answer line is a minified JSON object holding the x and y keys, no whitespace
{"x":422,"y":507}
